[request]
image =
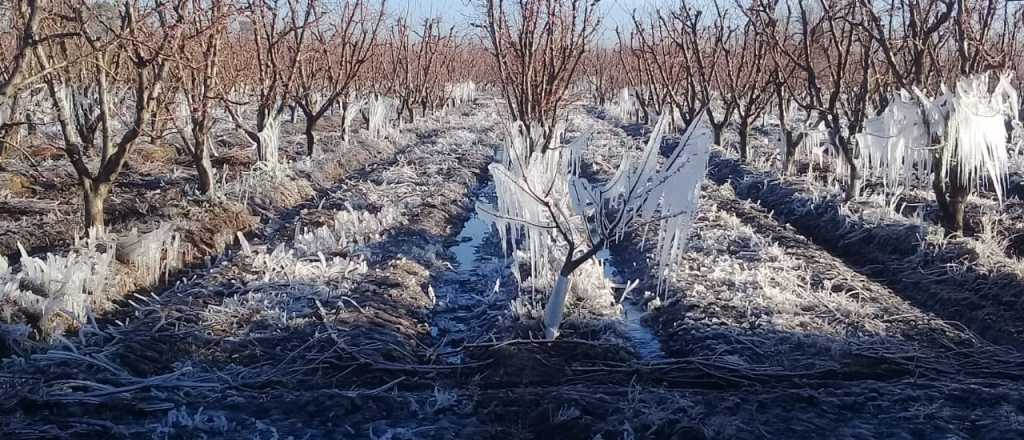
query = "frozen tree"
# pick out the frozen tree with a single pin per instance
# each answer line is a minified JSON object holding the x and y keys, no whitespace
{"x":537,"y":46}
{"x":461,"y":93}
{"x":264,"y":65}
{"x":340,"y":44}
{"x":545,"y":205}
{"x":951,"y":40}
{"x":198,"y":77}
{"x":379,"y":111}
{"x":351,"y":107}
{"x":23,"y":18}
{"x":958,"y":138}
{"x":117,"y":45}
{"x":625,"y":107}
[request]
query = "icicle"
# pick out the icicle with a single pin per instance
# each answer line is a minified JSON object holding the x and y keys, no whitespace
{"x":970,"y":122}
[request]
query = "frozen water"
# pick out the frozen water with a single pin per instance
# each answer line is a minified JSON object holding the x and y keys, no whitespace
{"x":472,"y":234}
{"x":645,"y":342}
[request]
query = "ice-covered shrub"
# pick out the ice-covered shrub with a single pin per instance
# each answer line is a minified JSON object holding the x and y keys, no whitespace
{"x":969,"y":124}
{"x":624,"y":107}
{"x":270,"y":140}
{"x":355,"y":106}
{"x":153,"y":255}
{"x":957,"y":139}
{"x":461,"y":93}
{"x":380,"y":110}
{"x":546,"y":208}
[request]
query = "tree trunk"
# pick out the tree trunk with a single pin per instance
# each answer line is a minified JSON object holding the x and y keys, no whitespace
{"x":409,"y":111}
{"x":789,"y":145}
{"x":8,"y":136}
{"x":261,"y":154}
{"x":716,"y":131}
{"x":853,"y":188}
{"x":310,"y":137}
{"x":843,"y":144}
{"x":954,"y":217}
{"x":345,"y":122}
{"x":204,"y":168}
{"x":9,"y":133}
{"x":744,"y":142}
{"x":1008,"y":123}
{"x":30,"y":123}
{"x":94,"y":195}
{"x":643,"y":114}
{"x":952,"y":200}
{"x":556,"y":306}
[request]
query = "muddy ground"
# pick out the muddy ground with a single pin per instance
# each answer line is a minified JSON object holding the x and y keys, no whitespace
{"x":407,"y":327}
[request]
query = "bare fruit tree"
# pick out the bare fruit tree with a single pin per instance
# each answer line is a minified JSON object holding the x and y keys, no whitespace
{"x":832,"y":68}
{"x":603,"y":73}
{"x":537,"y":46}
{"x":339,"y":45}
{"x":21,"y":20}
{"x":417,"y":60}
{"x":745,"y":76}
{"x":198,"y":77}
{"x":703,"y":43}
{"x":127,"y":48}
{"x":265,"y":62}
{"x":657,"y":69}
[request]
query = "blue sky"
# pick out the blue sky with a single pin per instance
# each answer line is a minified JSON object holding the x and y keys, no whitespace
{"x":616,"y":12}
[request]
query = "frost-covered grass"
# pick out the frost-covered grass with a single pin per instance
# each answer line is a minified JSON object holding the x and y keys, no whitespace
{"x":736,"y":277}
{"x":313,"y":273}
{"x":270,"y":185}
{"x":282,"y":264}
{"x":56,"y":291}
{"x":351,"y":228}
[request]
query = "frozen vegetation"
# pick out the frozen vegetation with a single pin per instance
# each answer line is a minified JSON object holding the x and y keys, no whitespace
{"x":334,"y":220}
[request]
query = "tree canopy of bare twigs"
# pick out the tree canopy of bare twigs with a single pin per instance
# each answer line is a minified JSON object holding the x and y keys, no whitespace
{"x":537,"y":46}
